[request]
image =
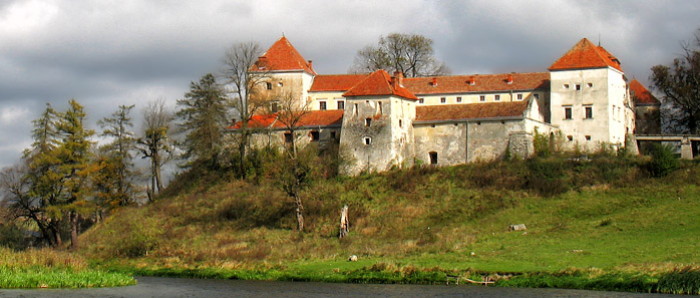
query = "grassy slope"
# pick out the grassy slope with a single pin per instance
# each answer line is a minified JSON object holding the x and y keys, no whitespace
{"x":613,"y":219}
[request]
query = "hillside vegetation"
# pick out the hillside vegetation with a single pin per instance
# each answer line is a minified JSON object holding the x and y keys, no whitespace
{"x":600,"y":222}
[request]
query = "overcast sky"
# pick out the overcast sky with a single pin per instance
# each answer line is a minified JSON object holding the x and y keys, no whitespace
{"x":108,"y":53}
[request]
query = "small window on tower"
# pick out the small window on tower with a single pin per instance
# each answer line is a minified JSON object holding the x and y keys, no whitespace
{"x":589,"y":112}
{"x":566,"y":86}
{"x":268,"y":85}
{"x":567,"y":113}
{"x":368,"y":122}
{"x":588,"y":138}
{"x":280,"y":84}
{"x":590,"y":85}
{"x":578,"y":87}
{"x":570,"y":138}
{"x":367,"y":140}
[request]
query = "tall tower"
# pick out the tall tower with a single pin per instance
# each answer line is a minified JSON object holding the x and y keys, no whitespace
{"x":281,"y":70}
{"x":589,"y":98}
{"x":377,"y":131}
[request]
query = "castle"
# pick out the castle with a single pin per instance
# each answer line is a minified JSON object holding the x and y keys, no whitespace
{"x":584,"y":101}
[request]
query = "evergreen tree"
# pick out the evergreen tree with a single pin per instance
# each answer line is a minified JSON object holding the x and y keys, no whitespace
{"x":203,"y":114}
{"x":115,"y":180}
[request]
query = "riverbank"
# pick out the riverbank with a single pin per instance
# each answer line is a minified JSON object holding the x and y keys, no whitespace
{"x":46,"y":268}
{"x":597,"y":223}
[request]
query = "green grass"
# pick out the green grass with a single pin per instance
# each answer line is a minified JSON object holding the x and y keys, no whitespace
{"x":607,"y":225}
{"x":53,"y":269}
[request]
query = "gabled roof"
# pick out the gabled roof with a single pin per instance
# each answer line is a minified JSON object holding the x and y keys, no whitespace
{"x":310,"y":119}
{"x":341,"y":82}
{"x":477,"y":83}
{"x":641,"y":95}
{"x":471,"y":111}
{"x":282,"y":56}
{"x":586,"y":55}
{"x":379,"y":83}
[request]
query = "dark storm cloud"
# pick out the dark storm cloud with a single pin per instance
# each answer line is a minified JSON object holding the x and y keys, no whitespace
{"x":106,"y":54}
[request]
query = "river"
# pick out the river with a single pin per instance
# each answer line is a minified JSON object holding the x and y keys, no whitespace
{"x":184,"y":287}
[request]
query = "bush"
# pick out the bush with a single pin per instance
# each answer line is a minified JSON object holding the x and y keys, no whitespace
{"x":663,"y":160}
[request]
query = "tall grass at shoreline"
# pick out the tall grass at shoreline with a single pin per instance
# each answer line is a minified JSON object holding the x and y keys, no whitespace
{"x":47,"y":268}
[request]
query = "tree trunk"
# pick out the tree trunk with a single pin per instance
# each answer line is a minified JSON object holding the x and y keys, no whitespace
{"x":73,"y":216}
{"x":300,"y":213}
{"x":344,"y":223}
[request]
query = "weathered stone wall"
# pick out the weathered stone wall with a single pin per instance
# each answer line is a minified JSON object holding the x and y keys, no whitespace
{"x":448,"y":140}
{"x":488,"y":140}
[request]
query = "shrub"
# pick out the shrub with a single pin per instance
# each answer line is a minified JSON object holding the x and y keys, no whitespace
{"x":663,"y":160}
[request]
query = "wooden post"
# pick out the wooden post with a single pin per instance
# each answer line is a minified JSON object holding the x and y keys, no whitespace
{"x":344,"y":224}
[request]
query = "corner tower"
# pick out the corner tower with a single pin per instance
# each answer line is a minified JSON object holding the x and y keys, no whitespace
{"x":282,"y":69}
{"x":377,"y":131}
{"x":589,"y":98}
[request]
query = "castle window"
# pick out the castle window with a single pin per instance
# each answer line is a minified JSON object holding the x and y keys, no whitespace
{"x":355,"y":110}
{"x":570,"y":138}
{"x":589,"y":112}
{"x":268,"y":85}
{"x":421,"y":100}
{"x":315,"y":136}
{"x":566,"y":86}
{"x":400,"y":123}
{"x":443,"y":100}
{"x":588,"y":138}
{"x":497,"y":97}
{"x":433,"y":157}
{"x":590,"y":85}
{"x":459,"y":99}
{"x":482,"y":98}
{"x":287,"y":137}
{"x":520,"y":96}
{"x":379,"y":106}
{"x":322,"y":105}
{"x":367,"y":140}
{"x":274,"y":107}
{"x":567,"y":113}
{"x":578,"y":87}
{"x":368,"y":122}
{"x":341,"y":105}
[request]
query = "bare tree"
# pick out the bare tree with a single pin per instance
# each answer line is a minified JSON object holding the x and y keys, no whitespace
{"x":296,"y":169}
{"x":411,"y":54}
{"x":155,"y":143}
{"x":680,"y":84}
{"x":243,"y":84}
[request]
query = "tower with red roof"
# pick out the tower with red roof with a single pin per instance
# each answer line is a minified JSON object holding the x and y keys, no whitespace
{"x":378,"y":124}
{"x":589,"y":99}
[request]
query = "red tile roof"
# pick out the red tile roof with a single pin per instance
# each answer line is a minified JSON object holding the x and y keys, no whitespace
{"x":641,"y":95}
{"x":282,"y":56}
{"x":471,"y":111}
{"x":312,"y":118}
{"x":341,"y":82}
{"x":379,"y":83}
{"x":477,"y":83}
{"x":586,"y":55}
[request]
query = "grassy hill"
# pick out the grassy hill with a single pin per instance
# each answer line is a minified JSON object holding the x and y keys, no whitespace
{"x":598,"y":223}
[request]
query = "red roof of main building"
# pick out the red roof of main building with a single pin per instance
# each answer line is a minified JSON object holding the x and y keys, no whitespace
{"x":471,"y":111}
{"x":282,"y":56}
{"x":477,"y":83}
{"x":341,"y":82}
{"x":641,"y":95}
{"x":586,"y":55}
{"x":379,"y":83}
{"x":311,"y":118}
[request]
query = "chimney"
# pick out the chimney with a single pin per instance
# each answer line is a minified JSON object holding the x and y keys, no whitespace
{"x":311,"y":64}
{"x":510,"y":79}
{"x":397,"y":79}
{"x":434,"y":82}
